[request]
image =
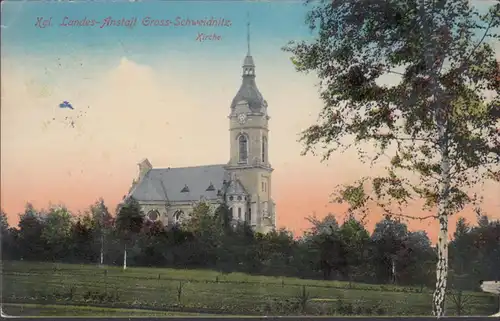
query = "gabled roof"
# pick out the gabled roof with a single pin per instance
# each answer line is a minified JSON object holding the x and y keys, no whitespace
{"x":235,"y":187}
{"x":181,"y":184}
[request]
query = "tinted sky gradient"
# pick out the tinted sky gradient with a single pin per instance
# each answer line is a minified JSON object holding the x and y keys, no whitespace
{"x":156,"y":92}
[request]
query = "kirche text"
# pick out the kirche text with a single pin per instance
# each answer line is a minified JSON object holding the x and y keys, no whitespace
{"x":208,"y":37}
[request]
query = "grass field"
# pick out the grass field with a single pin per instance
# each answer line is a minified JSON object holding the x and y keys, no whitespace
{"x":27,"y":309}
{"x":41,"y":289}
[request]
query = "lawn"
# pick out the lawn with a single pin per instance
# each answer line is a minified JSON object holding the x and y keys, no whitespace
{"x":195,"y":292}
{"x":27,"y":309}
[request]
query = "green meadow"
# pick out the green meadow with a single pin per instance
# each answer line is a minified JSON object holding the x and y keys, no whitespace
{"x":70,"y":289}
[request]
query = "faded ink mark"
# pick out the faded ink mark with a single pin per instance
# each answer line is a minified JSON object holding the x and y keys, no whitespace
{"x":65,"y":104}
{"x":70,"y":121}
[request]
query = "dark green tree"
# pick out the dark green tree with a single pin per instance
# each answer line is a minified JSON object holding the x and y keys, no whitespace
{"x":389,"y":239}
{"x":82,"y":240}
{"x":224,"y":217}
{"x":129,"y":222}
{"x":418,"y":261}
{"x":4,"y":223}
{"x":203,"y":224}
{"x":325,"y":242}
{"x":434,"y":120}
{"x":57,"y":231}
{"x":30,"y":228}
{"x":462,"y":254}
{"x":102,"y":220}
{"x":6,"y":236}
{"x":355,"y":239}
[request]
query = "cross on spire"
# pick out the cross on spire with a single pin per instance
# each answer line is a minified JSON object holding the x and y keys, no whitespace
{"x":248,"y":33}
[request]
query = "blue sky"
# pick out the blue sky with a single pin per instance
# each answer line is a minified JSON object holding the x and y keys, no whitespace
{"x":268,"y":25}
{"x":273,"y":24}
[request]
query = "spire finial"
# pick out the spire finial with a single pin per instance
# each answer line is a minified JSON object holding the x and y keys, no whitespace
{"x":248,"y":33}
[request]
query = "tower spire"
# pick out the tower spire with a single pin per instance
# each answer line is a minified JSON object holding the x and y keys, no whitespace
{"x":248,"y":34}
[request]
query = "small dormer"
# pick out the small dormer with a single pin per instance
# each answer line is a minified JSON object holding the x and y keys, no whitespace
{"x":185,"y":189}
{"x":210,"y":187}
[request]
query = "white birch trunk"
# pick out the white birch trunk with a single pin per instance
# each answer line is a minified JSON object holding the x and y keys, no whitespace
{"x":393,"y":271}
{"x":125,"y":258}
{"x":440,"y":113}
{"x":101,"y":262}
{"x":438,"y":300}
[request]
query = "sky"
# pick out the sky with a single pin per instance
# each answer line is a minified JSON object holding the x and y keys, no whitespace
{"x":157,"y":92}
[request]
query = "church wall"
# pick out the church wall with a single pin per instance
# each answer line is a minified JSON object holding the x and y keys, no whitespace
{"x":236,"y":204}
{"x":167,"y":212}
{"x":255,"y":128}
{"x":254,"y":212}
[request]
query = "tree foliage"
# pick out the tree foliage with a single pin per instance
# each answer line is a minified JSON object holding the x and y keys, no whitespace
{"x":130,"y":219}
{"x":358,"y":43}
{"x":433,"y":121}
{"x":345,"y":252}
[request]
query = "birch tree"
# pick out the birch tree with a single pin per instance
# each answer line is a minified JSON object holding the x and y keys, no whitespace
{"x":102,"y":221}
{"x":436,"y":123}
{"x":129,"y":222}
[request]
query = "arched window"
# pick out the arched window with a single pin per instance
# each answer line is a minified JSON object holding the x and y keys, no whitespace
{"x":243,"y":148}
{"x":153,"y":215}
{"x":178,"y":216}
{"x":264,"y":147}
{"x":239,"y":213}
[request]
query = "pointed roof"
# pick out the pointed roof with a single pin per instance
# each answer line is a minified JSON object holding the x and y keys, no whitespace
{"x":235,"y":187}
{"x":248,"y":91}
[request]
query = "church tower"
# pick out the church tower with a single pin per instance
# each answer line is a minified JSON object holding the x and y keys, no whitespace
{"x":249,"y":164}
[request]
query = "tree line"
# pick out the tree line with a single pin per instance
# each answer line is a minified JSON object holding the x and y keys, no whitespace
{"x":391,"y":254}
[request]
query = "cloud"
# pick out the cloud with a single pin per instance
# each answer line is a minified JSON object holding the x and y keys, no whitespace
{"x":125,"y":113}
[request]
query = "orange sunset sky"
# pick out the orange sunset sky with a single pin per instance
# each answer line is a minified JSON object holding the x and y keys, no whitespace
{"x":168,"y":104}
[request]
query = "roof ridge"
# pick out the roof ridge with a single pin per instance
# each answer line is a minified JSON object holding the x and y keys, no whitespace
{"x":185,"y":167}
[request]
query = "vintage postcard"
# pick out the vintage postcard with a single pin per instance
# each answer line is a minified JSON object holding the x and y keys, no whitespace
{"x":250,"y":158}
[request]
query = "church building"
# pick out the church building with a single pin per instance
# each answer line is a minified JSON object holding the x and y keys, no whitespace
{"x":244,"y":183}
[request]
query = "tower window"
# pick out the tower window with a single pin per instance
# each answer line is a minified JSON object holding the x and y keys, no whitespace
{"x":264,"y":146}
{"x":243,"y":148}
